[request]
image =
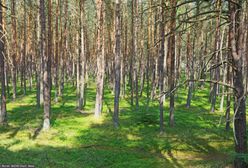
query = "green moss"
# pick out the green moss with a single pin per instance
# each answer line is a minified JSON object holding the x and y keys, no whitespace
{"x":77,"y":139}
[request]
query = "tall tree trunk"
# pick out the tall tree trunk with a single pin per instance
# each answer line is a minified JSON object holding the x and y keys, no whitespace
{"x":189,"y":71}
{"x":123,"y":60}
{"x":135,"y":51}
{"x":41,"y":61}
{"x":148,"y":57}
{"x":131,"y":69}
{"x":64,"y":51}
{"x":78,"y":64}
{"x":82,"y":56}
{"x":178,"y":62}
{"x":228,"y":80}
{"x":14,"y":45}
{"x":100,"y":58}
{"x":217,"y":57}
{"x":161,"y":67}
{"x":223,"y":72}
{"x":47,"y":60}
{"x":171,"y":59}
{"x":141,"y":51}
{"x":24,"y":48}
{"x":38,"y":71}
{"x":56,"y":62}
{"x":235,"y":34}
{"x":117,"y":61}
{"x":3,"y":111}
{"x":154,"y":59}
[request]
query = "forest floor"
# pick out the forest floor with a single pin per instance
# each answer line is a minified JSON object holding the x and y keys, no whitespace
{"x":77,"y":139}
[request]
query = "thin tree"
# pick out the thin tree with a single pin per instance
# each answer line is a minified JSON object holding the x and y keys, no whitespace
{"x":14,"y":46}
{"x":46,"y":61}
{"x":161,"y":66}
{"x":228,"y":75}
{"x":190,"y":72}
{"x":82,"y":56}
{"x":38,"y":72}
{"x":135,"y":51}
{"x":100,"y":58}
{"x":24,"y":48}
{"x":3,"y":111}
{"x":56,"y":61}
{"x":117,"y":60}
{"x":171,"y":59}
{"x":217,"y":57}
{"x":131,"y":69}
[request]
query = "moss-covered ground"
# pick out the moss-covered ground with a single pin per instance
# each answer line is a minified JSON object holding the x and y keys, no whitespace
{"x":78,"y":140}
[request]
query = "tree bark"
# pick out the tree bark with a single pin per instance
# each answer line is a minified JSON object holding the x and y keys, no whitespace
{"x":24,"y":48}
{"x":3,"y":110}
{"x":161,"y":67}
{"x":171,"y":59}
{"x":38,"y":72}
{"x":56,"y":63}
{"x":14,"y":45}
{"x":117,"y":61}
{"x":189,"y":71}
{"x":100,"y":58}
{"x":82,"y":56}
{"x":235,"y":33}
{"x":47,"y":60}
{"x":228,"y":78}
{"x":217,"y":57}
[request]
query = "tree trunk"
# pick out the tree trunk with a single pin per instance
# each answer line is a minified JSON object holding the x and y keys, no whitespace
{"x":161,"y":67}
{"x":228,"y":99}
{"x":189,"y":71}
{"x":14,"y":45}
{"x":117,"y":61}
{"x":82,"y":56}
{"x":38,"y":60}
{"x":171,"y":59}
{"x":217,"y":58}
{"x":178,"y":62}
{"x":24,"y":49}
{"x":235,"y":33}
{"x":131,"y":69}
{"x":223,"y":72}
{"x":3,"y":111}
{"x":47,"y":61}
{"x":56,"y":63}
{"x":148,"y":54}
{"x":135,"y":51}
{"x":100,"y":58}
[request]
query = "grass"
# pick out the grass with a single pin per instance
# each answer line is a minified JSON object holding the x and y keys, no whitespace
{"x":77,"y":139}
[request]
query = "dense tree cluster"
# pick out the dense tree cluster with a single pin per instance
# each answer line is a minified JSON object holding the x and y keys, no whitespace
{"x":138,"y":48}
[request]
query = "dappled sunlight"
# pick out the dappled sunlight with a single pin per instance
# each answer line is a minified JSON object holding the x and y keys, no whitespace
{"x":197,"y":138}
{"x":123,"y":83}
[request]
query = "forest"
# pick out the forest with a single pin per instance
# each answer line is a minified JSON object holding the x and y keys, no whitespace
{"x":123,"y":83}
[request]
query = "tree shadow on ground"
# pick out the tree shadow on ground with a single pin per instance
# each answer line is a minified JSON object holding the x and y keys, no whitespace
{"x":97,"y":157}
{"x":136,"y":143}
{"x":139,"y":131}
